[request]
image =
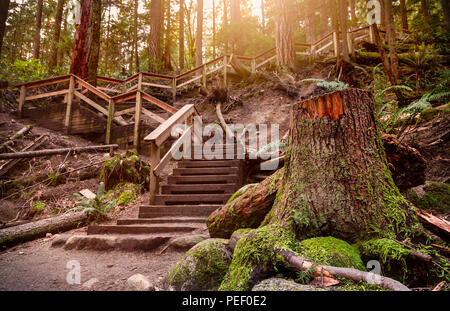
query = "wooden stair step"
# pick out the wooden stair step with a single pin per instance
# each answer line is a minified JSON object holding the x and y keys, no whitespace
{"x":203,"y":179}
{"x":191,"y":198}
{"x":155,"y":211}
{"x":205,"y":171}
{"x":140,"y":229}
{"x":206,"y":163}
{"x":161,"y":220}
{"x":200,"y":188}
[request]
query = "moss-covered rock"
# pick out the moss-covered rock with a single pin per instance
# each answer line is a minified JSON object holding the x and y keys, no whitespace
{"x":202,"y":267}
{"x":332,"y":252}
{"x":279,"y":284}
{"x":432,"y":196}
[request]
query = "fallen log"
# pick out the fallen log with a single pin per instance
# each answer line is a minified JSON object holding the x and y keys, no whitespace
{"x":17,"y":135}
{"x":438,"y":225}
{"x":43,"y":153}
{"x":37,"y":229}
{"x":240,"y":69}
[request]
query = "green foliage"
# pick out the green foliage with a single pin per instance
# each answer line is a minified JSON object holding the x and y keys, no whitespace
{"x":332,"y":86}
{"x":22,"y":71}
{"x":271,"y":147}
{"x":37,"y":207}
{"x":53,"y":178}
{"x":436,"y":197}
{"x":96,"y":208}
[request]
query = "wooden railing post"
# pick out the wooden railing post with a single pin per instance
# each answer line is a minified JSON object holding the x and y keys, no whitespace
{"x":350,"y":42}
{"x":111,"y":110}
{"x":174,"y":89}
{"x":312,"y":57}
{"x":371,"y":37}
{"x":204,"y":76}
{"x":137,"y":113}
{"x":69,"y":104}
{"x":23,"y":94}
{"x":253,"y":65}
{"x":225,"y":69}
{"x":154,"y":161}
{"x":335,"y":44}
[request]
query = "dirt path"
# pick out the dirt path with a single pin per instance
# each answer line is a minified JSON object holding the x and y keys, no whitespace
{"x":37,"y":266}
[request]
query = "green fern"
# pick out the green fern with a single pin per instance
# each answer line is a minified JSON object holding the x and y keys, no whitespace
{"x":329,"y":85}
{"x":96,"y":208}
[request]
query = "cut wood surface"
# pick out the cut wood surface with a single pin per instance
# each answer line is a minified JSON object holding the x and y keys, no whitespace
{"x":438,"y":225}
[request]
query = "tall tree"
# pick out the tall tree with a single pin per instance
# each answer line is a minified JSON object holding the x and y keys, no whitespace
{"x":425,"y":12}
{"x":214,"y":27}
{"x":56,"y":33}
{"x":404,"y":15}
{"x":37,"y":33}
{"x":225,"y":21}
{"x":4,"y":7}
{"x":199,"y":39}
{"x":167,"y":47}
{"x":181,"y":35}
{"x":335,"y":24}
{"x":390,"y":33}
{"x":155,"y":35}
{"x":235,"y":19}
{"x":263,"y":17}
{"x":235,"y":11}
{"x":343,"y":13}
{"x":446,"y":8}
{"x":78,"y":66}
{"x":285,"y":33}
{"x":354,"y":22}
{"x":323,"y":18}
{"x":94,"y":42}
{"x":135,"y":35}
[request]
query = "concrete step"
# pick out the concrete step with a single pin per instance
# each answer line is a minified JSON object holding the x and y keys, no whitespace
{"x":199,"y":189}
{"x":156,"y":211}
{"x":203,"y":179}
{"x":168,"y":199}
{"x":140,"y":229}
{"x":161,"y":220}
{"x":205,"y":163}
{"x":205,"y":171}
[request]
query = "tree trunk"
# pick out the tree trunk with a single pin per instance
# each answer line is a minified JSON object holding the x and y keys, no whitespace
{"x":225,"y":22}
{"x":263,"y":17}
{"x":310,"y":27}
{"x":383,"y":14}
{"x":181,"y":35}
{"x":167,"y":62}
{"x":446,"y":8}
{"x":323,"y":20}
{"x":37,"y":34}
{"x":56,"y":34}
{"x":392,"y":42}
{"x":285,"y":34}
{"x":135,"y":35}
{"x":336,"y":179}
{"x":235,"y":19}
{"x":335,"y":25}
{"x":354,"y":22}
{"x":155,"y":36}
{"x":343,"y":12}
{"x":78,"y":66}
{"x":199,"y":39}
{"x":425,"y":13}
{"x":404,"y":15}
{"x":94,"y":42}
{"x":214,"y":28}
{"x":4,"y":6}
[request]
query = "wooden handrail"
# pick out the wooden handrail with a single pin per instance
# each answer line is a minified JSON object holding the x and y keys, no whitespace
{"x":110,"y":80}
{"x":159,"y":103}
{"x":39,"y":83}
{"x":92,"y":88}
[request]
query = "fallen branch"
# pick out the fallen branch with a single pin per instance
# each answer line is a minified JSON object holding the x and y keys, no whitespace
{"x":438,"y":225}
{"x":43,"y":153}
{"x":301,"y":264}
{"x":17,"y":135}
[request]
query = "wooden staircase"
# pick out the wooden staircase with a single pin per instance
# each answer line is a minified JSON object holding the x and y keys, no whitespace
{"x":193,"y":191}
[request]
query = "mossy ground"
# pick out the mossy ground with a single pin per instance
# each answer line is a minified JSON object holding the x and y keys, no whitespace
{"x":436,"y":197}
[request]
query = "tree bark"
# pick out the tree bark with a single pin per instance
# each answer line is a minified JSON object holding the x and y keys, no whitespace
{"x":354,"y":22}
{"x":335,"y":25}
{"x":404,"y":15}
{"x":37,"y":34}
{"x":181,"y":35}
{"x":135,"y":35}
{"x":199,"y":38}
{"x":155,"y":35}
{"x":392,"y":42}
{"x":56,"y":34}
{"x":285,"y":34}
{"x":323,"y":19}
{"x":446,"y":8}
{"x":78,"y":66}
{"x":94,"y":46}
{"x":225,"y":22}
{"x":343,"y":12}
{"x":167,"y":47}
{"x":336,"y":178}
{"x":424,"y":8}
{"x":263,"y":17}
{"x":4,"y":7}
{"x":383,"y":14}
{"x":235,"y":19}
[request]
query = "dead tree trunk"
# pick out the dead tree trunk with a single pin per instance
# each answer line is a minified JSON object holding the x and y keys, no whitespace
{"x":336,"y":179}
{"x":78,"y":66}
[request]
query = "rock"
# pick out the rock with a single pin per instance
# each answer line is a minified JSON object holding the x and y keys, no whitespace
{"x":406,"y":164}
{"x":48,"y":235}
{"x":59,"y":240}
{"x":187,"y":242}
{"x":278,"y":284}
{"x":138,"y":282}
{"x":203,"y":267}
{"x":247,"y":208}
{"x":332,"y":252}
{"x":90,"y":284}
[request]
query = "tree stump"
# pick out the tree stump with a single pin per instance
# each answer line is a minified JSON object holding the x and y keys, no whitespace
{"x":336,"y":178}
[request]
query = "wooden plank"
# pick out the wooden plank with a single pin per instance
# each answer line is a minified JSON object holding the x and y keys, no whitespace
{"x":159,"y":103}
{"x":132,"y":78}
{"x":111,"y":107}
{"x":91,"y":103}
{"x":92,"y":89}
{"x":45,"y":82}
{"x":134,"y":87}
{"x":154,"y":161}
{"x":137,"y":115}
{"x":190,"y":81}
{"x":108,"y":89}
{"x":214,"y":70}
{"x":188,"y":73}
{"x":266,"y":61}
{"x":125,"y":111}
{"x":176,"y":145}
{"x":110,"y":80}
{"x":156,"y":76}
{"x":324,"y":47}
{"x":23,"y":94}
{"x":49,"y":94}
{"x":124,"y":97}
{"x":265,"y":53}
{"x":153,"y":116}
{"x":162,"y":86}
{"x":163,"y":132}
{"x":70,"y":94}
